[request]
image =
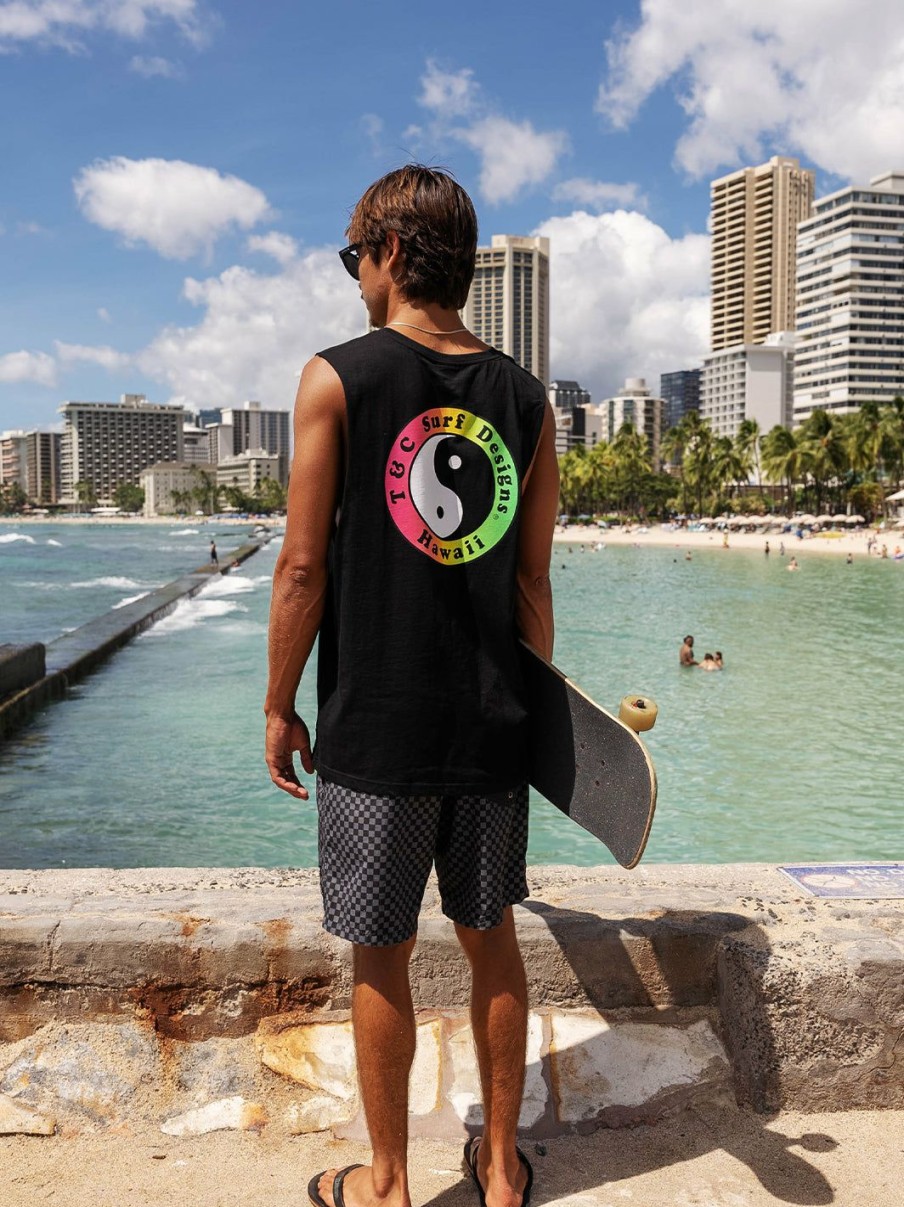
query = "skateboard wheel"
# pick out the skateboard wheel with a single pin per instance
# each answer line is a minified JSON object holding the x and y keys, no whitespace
{"x":638,"y":713}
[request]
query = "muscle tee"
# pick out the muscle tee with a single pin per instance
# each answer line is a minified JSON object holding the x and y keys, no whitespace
{"x":418,"y":680}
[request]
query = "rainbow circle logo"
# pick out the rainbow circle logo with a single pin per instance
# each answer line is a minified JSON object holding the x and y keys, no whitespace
{"x":451,"y":485}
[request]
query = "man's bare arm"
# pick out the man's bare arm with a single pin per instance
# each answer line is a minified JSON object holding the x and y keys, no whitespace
{"x":539,"y":509}
{"x":300,"y":576}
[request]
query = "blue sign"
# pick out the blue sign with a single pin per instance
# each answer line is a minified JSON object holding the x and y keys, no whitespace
{"x":878,"y":880}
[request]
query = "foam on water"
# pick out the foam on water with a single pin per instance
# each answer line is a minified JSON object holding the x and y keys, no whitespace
{"x":111,"y":581}
{"x":186,"y":532}
{"x":190,"y":613}
{"x":51,"y":541}
{"x":131,"y":599}
{"x":8,"y":537}
{"x":233,"y":584}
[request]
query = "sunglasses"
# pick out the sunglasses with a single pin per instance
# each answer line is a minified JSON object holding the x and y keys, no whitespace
{"x":351,"y":259}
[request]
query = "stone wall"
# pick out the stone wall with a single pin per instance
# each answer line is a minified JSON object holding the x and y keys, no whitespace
{"x":201,"y":999}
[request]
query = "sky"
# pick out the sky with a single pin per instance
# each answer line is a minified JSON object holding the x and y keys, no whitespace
{"x":176,"y":175}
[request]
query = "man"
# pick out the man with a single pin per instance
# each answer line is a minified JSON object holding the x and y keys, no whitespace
{"x":422,"y":505}
{"x":686,"y":653}
{"x":214,"y":560}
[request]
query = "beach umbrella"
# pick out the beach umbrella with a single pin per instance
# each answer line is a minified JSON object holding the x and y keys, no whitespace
{"x":823,"y":519}
{"x":805,"y":519}
{"x":856,"y":519}
{"x":839,"y":519}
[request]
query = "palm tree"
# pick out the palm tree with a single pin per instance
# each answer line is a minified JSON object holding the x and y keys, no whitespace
{"x":631,"y":464}
{"x":782,"y":459}
{"x":671,"y":448}
{"x":824,"y":456}
{"x":747,"y":443}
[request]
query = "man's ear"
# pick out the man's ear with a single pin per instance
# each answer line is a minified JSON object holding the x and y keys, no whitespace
{"x":395,"y":254}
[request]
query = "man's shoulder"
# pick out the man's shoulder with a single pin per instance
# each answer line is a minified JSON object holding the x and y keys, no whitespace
{"x":354,"y":349}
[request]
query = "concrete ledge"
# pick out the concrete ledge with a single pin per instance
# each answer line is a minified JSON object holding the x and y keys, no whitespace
{"x":20,"y":666}
{"x":153,"y":993}
{"x":74,"y":655}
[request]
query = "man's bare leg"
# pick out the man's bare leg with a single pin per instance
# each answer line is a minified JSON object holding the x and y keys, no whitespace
{"x":499,"y":1024}
{"x":383,"y":1020}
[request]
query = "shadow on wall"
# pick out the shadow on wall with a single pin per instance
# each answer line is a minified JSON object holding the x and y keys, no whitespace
{"x":700,"y":980}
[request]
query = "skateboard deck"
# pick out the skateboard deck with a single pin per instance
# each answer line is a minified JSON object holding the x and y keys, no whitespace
{"x":587,"y":762}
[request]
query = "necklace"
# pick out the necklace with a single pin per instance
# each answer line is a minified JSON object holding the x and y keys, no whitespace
{"x":425,"y":330}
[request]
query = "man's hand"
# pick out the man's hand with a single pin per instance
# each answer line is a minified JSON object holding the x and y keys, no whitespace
{"x":284,"y":736}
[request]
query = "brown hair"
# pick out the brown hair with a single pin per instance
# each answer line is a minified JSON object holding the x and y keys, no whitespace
{"x":437,"y":228}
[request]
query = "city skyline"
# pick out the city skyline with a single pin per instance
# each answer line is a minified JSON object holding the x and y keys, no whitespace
{"x":178,"y":177}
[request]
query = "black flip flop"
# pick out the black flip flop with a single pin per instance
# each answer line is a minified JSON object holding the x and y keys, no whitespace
{"x":470,"y":1156}
{"x":338,"y":1197}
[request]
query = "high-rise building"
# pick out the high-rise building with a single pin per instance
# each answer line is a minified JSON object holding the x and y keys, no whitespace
{"x":566,"y":395}
{"x":680,"y":391}
{"x":13,"y":457}
{"x":196,"y":443}
{"x":105,"y":443}
{"x":637,"y":406}
{"x":850,"y":299}
{"x":42,"y":467}
{"x":754,"y":217}
{"x":508,"y":304}
{"x":749,"y":381}
{"x":255,"y":428}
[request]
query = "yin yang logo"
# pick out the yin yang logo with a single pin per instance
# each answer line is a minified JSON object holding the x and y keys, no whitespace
{"x":451,"y":484}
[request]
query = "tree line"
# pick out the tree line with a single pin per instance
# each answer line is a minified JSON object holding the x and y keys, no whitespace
{"x":840,"y":463}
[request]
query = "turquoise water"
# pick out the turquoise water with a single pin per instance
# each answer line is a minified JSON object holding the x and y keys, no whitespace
{"x":794,"y":752}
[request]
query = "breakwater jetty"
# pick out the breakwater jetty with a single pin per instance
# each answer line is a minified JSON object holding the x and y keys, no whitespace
{"x":33,"y":675}
{"x":195,"y":1000}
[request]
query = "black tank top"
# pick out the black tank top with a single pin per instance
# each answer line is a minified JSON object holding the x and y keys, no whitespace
{"x":418,"y":682}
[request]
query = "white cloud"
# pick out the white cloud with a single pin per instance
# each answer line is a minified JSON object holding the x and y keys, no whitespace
{"x":626,"y":299}
{"x":103,"y":355}
{"x":104,"y":313}
{"x":820,"y":78}
{"x":28,"y":366}
{"x":513,"y":155}
{"x":177,"y":208}
{"x":281,"y":247}
{"x":151,"y":66}
{"x":452,"y":93}
{"x":61,"y":22}
{"x":596,"y":194}
{"x":256,"y":331}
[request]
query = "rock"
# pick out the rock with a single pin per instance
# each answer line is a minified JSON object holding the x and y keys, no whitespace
{"x":424,"y":1084}
{"x":320,"y":1056}
{"x":597,"y":1065}
{"x":318,"y":1114}
{"x":18,"y":1120}
{"x":229,"y":1114}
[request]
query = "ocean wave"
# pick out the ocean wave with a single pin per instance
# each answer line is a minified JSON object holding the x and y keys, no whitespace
{"x":8,"y":537}
{"x":190,"y":613}
{"x":131,"y":599}
{"x":51,"y":541}
{"x":113,"y":581}
{"x":232,"y":584}
{"x":186,"y":532}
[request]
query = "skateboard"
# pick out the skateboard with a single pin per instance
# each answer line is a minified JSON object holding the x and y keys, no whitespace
{"x":588,"y":763}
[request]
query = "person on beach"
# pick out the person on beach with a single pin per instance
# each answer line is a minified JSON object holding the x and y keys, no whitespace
{"x":422,"y":505}
{"x":214,"y":560}
{"x":686,"y":653}
{"x":717,"y":658}
{"x":708,"y":663}
{"x":766,"y":549}
{"x":792,"y":565}
{"x":850,"y":559}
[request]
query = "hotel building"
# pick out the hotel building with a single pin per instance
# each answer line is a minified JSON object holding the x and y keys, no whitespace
{"x":850,"y":299}
{"x":754,"y":216}
{"x":749,"y":381}
{"x":105,"y":443}
{"x":508,"y":304}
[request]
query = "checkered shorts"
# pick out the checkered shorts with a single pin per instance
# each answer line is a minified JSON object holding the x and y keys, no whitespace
{"x":376,"y":853}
